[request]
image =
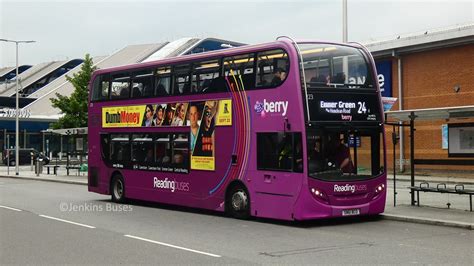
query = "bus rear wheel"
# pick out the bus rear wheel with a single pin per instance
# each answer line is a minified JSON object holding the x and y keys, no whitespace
{"x":238,"y":203}
{"x":118,"y":189}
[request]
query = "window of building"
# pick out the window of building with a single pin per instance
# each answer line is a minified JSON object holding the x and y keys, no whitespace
{"x":281,"y":151}
{"x":272,"y":68}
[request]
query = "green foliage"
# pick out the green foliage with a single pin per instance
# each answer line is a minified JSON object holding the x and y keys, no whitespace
{"x":74,"y":107}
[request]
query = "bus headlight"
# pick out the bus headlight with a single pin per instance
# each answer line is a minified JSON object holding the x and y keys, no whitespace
{"x":318,"y":194}
{"x":379,"y":188}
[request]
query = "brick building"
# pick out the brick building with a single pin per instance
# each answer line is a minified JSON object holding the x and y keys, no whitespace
{"x":433,"y":69}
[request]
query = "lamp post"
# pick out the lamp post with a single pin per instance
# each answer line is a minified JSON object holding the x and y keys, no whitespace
{"x":17,"y":123}
{"x":344,"y":21}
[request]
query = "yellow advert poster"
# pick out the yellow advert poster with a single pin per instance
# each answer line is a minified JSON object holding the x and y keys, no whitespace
{"x":224,"y":114}
{"x":123,"y":116}
{"x":202,"y":163}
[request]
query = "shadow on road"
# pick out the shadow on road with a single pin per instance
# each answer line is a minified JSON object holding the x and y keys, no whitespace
{"x":300,"y":224}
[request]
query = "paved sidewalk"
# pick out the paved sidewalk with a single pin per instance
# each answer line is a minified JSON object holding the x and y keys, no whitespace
{"x":433,"y":206}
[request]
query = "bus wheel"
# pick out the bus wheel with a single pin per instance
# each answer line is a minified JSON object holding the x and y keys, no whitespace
{"x":238,"y":203}
{"x":12,"y":163}
{"x":118,"y":189}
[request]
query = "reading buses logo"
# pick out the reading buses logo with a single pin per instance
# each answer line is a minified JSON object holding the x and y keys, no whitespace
{"x":349,"y":188}
{"x":171,"y":185}
{"x":271,"y":107}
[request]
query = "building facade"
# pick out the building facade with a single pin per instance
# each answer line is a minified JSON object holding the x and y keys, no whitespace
{"x":433,"y":69}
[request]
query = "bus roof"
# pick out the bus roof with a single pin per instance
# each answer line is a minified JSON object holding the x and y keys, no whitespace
{"x":185,"y":58}
{"x":225,"y":52}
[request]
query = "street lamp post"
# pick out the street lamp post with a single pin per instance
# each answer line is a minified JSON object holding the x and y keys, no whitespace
{"x":344,"y":21}
{"x":17,"y":122}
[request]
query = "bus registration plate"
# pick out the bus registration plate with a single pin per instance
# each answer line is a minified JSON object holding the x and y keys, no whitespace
{"x":350,"y":212}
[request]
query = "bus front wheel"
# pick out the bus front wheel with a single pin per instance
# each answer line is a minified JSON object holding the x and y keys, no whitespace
{"x":238,"y":202}
{"x":118,"y":189}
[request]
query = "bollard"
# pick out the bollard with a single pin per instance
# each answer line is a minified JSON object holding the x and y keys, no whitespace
{"x":32,"y":161}
{"x":37,"y":168}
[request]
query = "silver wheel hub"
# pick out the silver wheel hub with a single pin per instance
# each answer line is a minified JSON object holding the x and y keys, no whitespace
{"x":239,"y":201}
{"x":118,"y":189}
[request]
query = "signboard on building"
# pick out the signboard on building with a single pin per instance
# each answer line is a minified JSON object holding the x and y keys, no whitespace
{"x":384,"y":77}
{"x":10,"y":112}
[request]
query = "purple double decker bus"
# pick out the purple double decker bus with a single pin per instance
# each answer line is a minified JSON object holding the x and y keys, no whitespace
{"x":286,"y":130}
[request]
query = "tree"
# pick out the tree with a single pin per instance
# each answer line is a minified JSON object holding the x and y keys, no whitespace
{"x":74,"y":107}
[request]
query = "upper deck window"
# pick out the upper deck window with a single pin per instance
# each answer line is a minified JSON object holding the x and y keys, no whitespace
{"x":120,"y":86}
{"x":242,"y":65}
{"x":101,"y":88}
{"x":182,"y":79}
{"x":204,"y":75}
{"x":142,"y":84}
{"x":272,"y":68}
{"x":163,"y":81}
{"x":328,"y":65}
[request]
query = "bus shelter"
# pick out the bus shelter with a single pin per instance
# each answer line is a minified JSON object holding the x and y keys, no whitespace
{"x":73,"y":141}
{"x":408,"y":118}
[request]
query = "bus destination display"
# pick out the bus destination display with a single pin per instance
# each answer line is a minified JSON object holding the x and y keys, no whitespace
{"x":344,"y":107}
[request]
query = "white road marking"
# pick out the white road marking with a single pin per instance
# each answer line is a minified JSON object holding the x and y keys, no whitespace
{"x":10,"y":208}
{"x":173,"y":246}
{"x":66,"y":221}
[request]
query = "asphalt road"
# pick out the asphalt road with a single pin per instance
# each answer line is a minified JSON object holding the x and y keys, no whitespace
{"x":45,"y":223}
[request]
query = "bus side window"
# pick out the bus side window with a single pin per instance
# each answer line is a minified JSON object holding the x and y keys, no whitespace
{"x":120,"y":86}
{"x":181,"y":152}
{"x":142,"y":84}
{"x":241,"y":66}
{"x":203,"y":76}
{"x":279,"y":151}
{"x":142,"y":149}
{"x":101,"y":88}
{"x":163,"y":150}
{"x":105,"y":147}
{"x":120,"y":148}
{"x":182,"y":82}
{"x":163,"y":81}
{"x":272,"y":68}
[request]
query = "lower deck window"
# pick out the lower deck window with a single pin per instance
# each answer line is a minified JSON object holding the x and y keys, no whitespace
{"x":147,"y":151}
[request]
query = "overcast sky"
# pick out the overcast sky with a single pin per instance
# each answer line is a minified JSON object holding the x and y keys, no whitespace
{"x":70,"y":29}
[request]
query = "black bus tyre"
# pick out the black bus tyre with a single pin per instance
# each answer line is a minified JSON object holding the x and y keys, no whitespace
{"x":238,"y":202}
{"x":12,"y":163}
{"x":117,"y":189}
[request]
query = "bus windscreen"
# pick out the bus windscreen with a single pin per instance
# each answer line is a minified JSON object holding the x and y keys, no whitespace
{"x":335,"y":154}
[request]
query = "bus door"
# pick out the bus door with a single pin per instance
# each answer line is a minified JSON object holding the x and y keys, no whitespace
{"x":279,"y":165}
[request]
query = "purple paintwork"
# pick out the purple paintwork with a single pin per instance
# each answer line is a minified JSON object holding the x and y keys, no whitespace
{"x":278,"y":195}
